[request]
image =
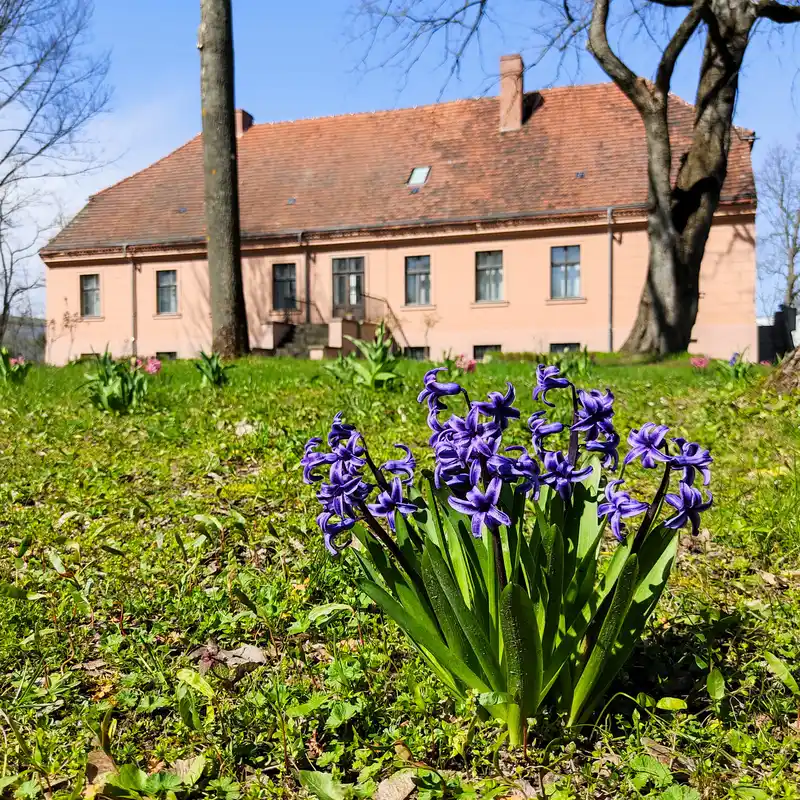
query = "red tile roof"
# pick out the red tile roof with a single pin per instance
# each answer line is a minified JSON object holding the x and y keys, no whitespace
{"x":351,"y":171}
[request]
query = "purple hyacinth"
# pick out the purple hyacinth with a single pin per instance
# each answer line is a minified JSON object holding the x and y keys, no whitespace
{"x":389,"y":503}
{"x":499,"y":407}
{"x":331,"y":529}
{"x":401,"y":466}
{"x":539,"y":428}
{"x":733,"y":359}
{"x":473,"y":438}
{"x":342,"y":491}
{"x":433,"y":390}
{"x":687,"y":504}
{"x":312,"y":459}
{"x":608,"y":447}
{"x":523,"y":467}
{"x":350,"y":453}
{"x":339,"y":430}
{"x":619,"y":506}
{"x":595,"y":411}
{"x":482,"y":507}
{"x":692,"y":459}
{"x":646,"y":443}
{"x":547,"y":378}
{"x":561,"y":474}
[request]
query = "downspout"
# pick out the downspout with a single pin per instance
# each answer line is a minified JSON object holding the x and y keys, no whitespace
{"x":610,"y":223}
{"x":134,"y":304}
{"x":306,"y":275}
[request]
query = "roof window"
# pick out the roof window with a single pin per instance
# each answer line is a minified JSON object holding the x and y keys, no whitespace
{"x":418,"y":176}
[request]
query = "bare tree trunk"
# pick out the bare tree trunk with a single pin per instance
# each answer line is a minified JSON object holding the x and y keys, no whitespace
{"x":787,"y":377}
{"x":228,"y":318}
{"x":679,"y":222}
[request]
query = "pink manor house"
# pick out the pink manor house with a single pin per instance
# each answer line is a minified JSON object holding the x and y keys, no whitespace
{"x":512,"y":223}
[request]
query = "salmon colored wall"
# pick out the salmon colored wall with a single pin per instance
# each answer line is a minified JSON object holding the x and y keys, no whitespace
{"x":526,"y":319}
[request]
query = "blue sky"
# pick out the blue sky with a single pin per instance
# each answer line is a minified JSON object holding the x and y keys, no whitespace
{"x":298,"y":59}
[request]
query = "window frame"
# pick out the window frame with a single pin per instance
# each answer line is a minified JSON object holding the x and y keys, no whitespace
{"x":565,"y":347}
{"x":423,"y":351}
{"x":486,"y":349}
{"x":417,"y":274}
{"x":564,"y":267}
{"x":345,"y":310}
{"x":276,"y":281}
{"x":481,"y":270}
{"x":411,"y":183}
{"x":159,"y":312}
{"x":81,"y":292}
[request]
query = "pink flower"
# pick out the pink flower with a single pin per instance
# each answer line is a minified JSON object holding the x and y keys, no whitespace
{"x":465,"y":364}
{"x":13,"y":362}
{"x":136,"y":363}
{"x":765,"y":363}
{"x":153,"y":366}
{"x":699,"y":362}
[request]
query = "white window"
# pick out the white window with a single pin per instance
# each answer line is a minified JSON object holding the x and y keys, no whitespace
{"x":489,"y":276}
{"x":565,"y":272}
{"x":418,"y":280}
{"x":90,"y":295}
{"x":418,"y":176}
{"x":166,"y":291}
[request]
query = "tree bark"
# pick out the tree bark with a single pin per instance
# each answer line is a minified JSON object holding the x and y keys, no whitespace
{"x":679,"y":220}
{"x":787,"y":377}
{"x":228,"y":317}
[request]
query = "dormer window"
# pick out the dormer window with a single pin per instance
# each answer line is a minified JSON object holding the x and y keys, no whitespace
{"x":418,"y":176}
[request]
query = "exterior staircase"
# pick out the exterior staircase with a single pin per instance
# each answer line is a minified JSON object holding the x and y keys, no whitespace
{"x":300,"y":339}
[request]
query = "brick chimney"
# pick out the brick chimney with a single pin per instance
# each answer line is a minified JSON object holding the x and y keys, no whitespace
{"x":512,"y":92}
{"x":243,"y":122}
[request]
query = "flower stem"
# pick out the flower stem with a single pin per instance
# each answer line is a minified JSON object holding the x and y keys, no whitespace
{"x":389,"y":543}
{"x":572,"y":455}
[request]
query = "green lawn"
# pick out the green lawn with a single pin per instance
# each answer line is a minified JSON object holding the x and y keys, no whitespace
{"x":186,"y":524}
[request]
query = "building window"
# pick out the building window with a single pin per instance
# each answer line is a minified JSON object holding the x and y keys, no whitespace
{"x":166,"y":291}
{"x":489,"y":276}
{"x":166,"y":355}
{"x":90,"y":295}
{"x":416,"y":353}
{"x":565,"y":347}
{"x":418,"y":176}
{"x":418,"y":280}
{"x":348,"y":286}
{"x":565,"y":272}
{"x":480,"y":351}
{"x":284,"y":287}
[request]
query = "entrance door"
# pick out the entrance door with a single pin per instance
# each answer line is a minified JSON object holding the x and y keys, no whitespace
{"x":348,"y":287}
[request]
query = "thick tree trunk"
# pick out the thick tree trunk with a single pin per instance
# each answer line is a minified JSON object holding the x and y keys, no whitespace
{"x":228,"y":318}
{"x":787,"y":376}
{"x":679,"y":221}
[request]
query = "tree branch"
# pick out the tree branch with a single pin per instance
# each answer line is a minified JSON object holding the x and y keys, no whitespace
{"x":778,"y":12}
{"x":612,"y":64}
{"x":676,"y":44}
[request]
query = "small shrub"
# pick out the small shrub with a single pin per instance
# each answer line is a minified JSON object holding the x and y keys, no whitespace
{"x":214,"y":372}
{"x":379,"y":368}
{"x":12,"y":370}
{"x":341,"y":369}
{"x":494,"y":564}
{"x":736,"y":369}
{"x":117,"y":386}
